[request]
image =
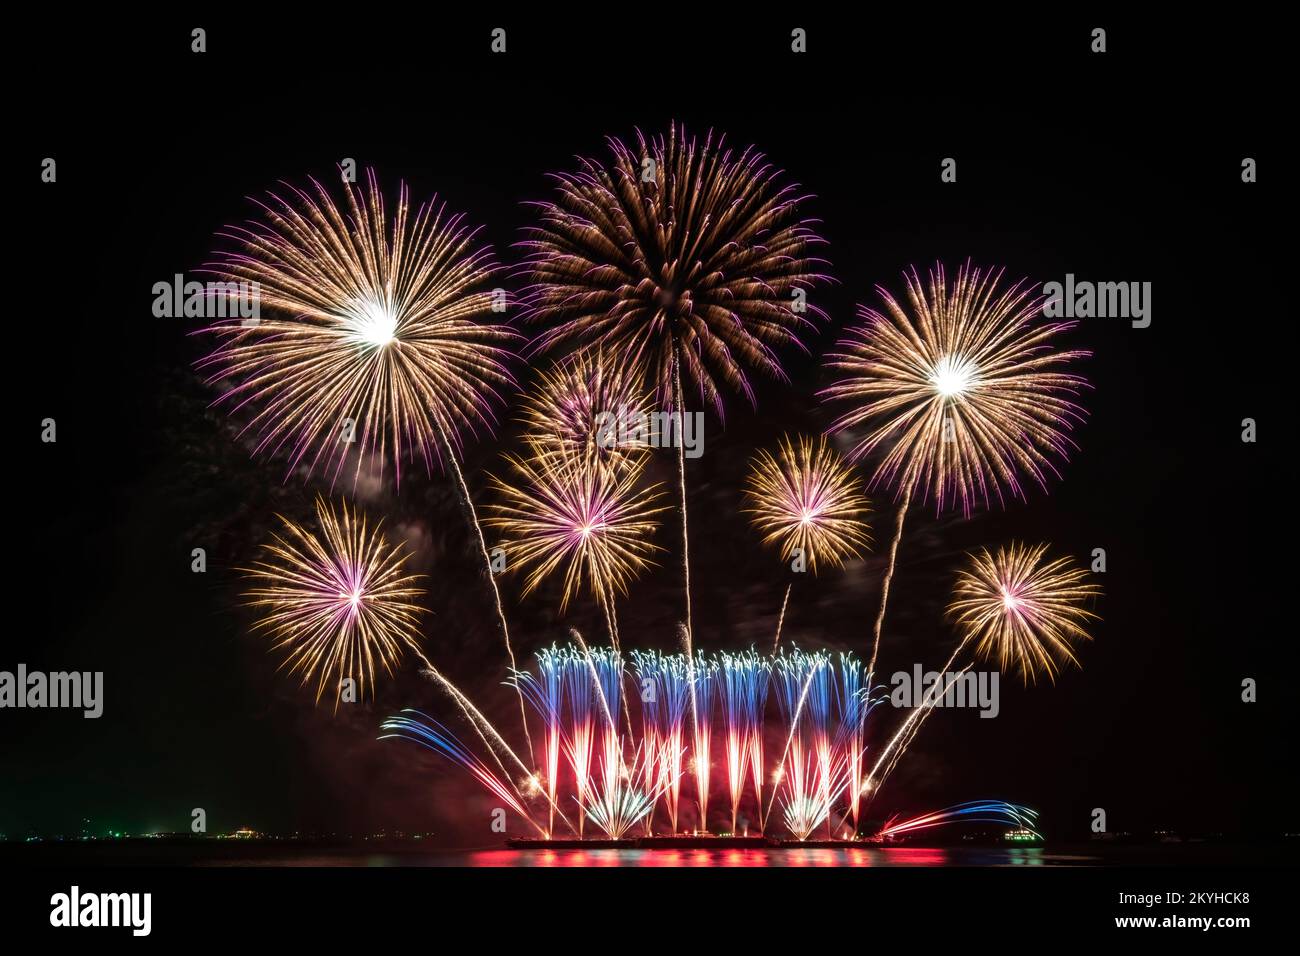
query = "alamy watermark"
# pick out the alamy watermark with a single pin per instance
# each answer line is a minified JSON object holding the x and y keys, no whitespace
{"x":965,"y":688}
{"x":636,"y":428}
{"x":37,"y":689}
{"x":207,"y":300}
{"x":1079,"y":299}
{"x":75,"y":908}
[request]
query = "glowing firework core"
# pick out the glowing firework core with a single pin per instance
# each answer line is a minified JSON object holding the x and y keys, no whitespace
{"x":953,"y":376}
{"x":373,"y":323}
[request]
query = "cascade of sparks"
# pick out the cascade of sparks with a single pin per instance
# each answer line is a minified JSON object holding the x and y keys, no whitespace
{"x":745,"y":679}
{"x":665,"y":700}
{"x":622,"y":778}
{"x":703,"y":681}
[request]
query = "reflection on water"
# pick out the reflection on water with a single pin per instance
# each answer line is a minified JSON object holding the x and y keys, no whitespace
{"x":793,"y":857}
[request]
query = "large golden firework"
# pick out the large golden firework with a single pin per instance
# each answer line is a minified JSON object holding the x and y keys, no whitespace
{"x":1021,"y":610}
{"x":338,"y":600}
{"x":677,"y":256}
{"x":374,"y":339}
{"x":806,"y":497}
{"x":591,"y":521}
{"x":962,"y":393}
{"x":588,"y":409}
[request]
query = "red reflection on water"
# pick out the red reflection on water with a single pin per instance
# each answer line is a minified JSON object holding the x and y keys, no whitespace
{"x":730,"y":857}
{"x":915,"y":856}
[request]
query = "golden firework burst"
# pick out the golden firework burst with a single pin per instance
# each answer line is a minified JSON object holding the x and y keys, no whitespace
{"x":962,"y":393}
{"x":337,"y":600}
{"x":1022,"y":610}
{"x":375,"y":341}
{"x":591,"y":521}
{"x":806,"y":497}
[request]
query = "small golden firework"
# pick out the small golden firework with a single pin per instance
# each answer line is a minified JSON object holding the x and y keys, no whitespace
{"x":1023,"y":611}
{"x":806,"y":497}
{"x":588,"y":519}
{"x":337,"y":600}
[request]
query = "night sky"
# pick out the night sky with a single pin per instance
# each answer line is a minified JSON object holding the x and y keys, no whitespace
{"x":1066,"y":163}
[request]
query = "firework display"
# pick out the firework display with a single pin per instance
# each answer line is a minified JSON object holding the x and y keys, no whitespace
{"x":590,"y":521}
{"x":377,"y":341}
{"x":812,"y":740}
{"x":578,"y":442}
{"x":962,"y":394}
{"x":804,"y":498}
{"x":679,"y":265}
{"x":684,"y":258}
{"x":1021,"y":610}
{"x":337,"y":601}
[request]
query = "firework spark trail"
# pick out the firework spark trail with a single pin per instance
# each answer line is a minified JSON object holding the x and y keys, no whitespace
{"x":850,"y":739}
{"x":905,"y":734}
{"x":381,"y":329}
{"x":888,"y":578}
{"x":743,"y":693}
{"x":491,"y":737}
{"x":679,"y":423}
{"x":976,"y":811}
{"x":337,"y":599}
{"x":776,"y":641}
{"x":472,"y":512}
{"x":545,"y":693}
{"x":434,"y":736}
{"x":704,"y":680}
{"x":961,"y":392}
